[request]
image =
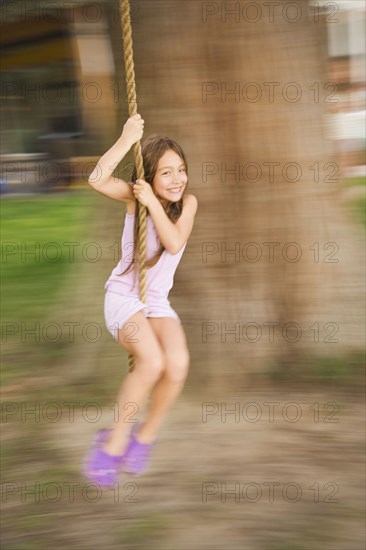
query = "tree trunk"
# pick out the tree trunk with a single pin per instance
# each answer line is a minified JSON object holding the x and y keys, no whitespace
{"x":308,"y":274}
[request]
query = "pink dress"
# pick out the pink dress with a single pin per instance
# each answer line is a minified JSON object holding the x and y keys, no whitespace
{"x":122,"y":295}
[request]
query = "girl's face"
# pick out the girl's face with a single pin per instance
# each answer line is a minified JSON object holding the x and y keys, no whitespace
{"x":171,"y":178}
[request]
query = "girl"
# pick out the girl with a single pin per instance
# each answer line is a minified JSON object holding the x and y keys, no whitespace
{"x":151,"y":332}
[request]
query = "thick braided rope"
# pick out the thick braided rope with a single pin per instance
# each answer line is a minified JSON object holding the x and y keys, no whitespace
{"x":132,"y":108}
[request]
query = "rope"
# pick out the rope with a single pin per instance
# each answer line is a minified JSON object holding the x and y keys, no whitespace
{"x":132,"y":108}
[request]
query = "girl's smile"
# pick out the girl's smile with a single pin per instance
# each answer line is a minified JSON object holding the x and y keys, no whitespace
{"x":171,"y":177}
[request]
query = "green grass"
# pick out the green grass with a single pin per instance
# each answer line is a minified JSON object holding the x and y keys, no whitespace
{"x":337,"y":370}
{"x":31,"y":282}
{"x":358,"y":204}
{"x":350,"y":182}
{"x":359,"y":207}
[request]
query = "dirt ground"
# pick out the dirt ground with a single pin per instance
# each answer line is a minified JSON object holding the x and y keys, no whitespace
{"x":242,"y":480}
{"x":281,"y":472}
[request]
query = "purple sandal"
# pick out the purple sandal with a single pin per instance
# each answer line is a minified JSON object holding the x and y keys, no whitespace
{"x":99,"y":466}
{"x":137,"y":456}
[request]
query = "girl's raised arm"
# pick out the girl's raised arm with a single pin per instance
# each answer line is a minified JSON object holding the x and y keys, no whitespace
{"x":101,"y":178}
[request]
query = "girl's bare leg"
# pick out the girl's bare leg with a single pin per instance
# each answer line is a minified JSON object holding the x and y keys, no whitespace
{"x":149,"y":366}
{"x":172,"y":340}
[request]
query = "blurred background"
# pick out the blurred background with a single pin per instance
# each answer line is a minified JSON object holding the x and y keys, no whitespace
{"x":268,"y":101}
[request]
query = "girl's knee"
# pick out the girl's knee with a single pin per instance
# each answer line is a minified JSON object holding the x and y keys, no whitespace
{"x":177,"y":367}
{"x":151,"y":368}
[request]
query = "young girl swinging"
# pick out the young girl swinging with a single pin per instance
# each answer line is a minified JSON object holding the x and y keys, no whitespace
{"x":157,"y":339}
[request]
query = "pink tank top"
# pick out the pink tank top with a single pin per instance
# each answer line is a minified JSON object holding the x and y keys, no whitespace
{"x":160,"y":277}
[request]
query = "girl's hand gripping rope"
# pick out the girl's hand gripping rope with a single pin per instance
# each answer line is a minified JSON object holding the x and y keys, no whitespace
{"x":144,"y":193}
{"x":133,"y":129}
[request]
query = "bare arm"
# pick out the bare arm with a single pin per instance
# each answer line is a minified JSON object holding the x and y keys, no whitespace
{"x":101,"y":178}
{"x":174,"y":235}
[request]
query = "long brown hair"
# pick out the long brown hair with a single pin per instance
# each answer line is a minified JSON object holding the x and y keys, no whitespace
{"x":153,"y":148}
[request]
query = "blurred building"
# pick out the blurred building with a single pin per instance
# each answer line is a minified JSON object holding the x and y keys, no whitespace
{"x":346,"y":118}
{"x":57,"y":92}
{"x":63,"y":88}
